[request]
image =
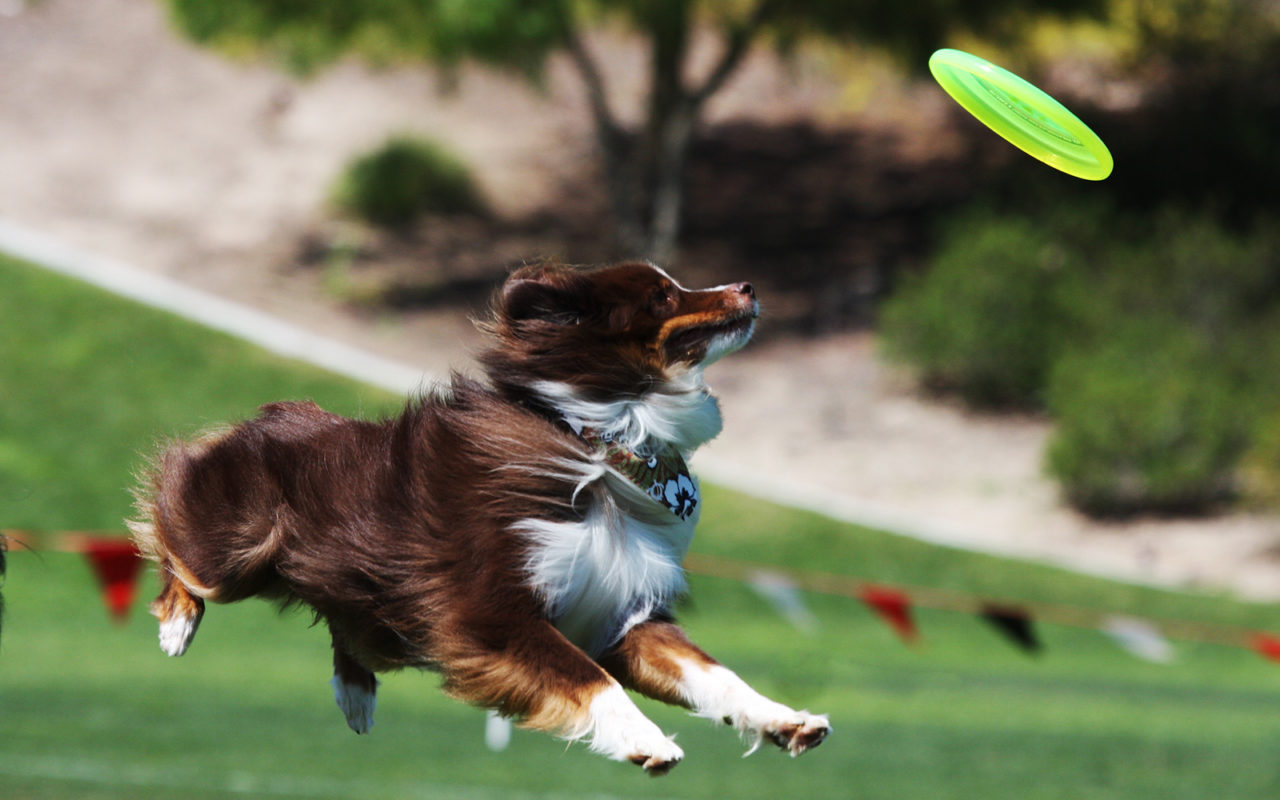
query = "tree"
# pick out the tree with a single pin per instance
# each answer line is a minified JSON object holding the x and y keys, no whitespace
{"x":643,"y":168}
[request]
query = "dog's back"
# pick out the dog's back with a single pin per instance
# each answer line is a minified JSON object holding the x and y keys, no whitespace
{"x":359,"y":520}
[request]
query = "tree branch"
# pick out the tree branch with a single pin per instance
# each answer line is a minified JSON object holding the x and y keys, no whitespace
{"x":597,"y":96}
{"x":740,"y":38}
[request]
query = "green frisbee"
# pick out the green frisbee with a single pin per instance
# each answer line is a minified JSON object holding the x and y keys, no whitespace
{"x":1026,"y":116}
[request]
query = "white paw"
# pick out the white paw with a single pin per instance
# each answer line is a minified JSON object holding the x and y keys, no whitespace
{"x":356,"y":702}
{"x":718,"y":694}
{"x":176,"y":634}
{"x":797,"y":732}
{"x":659,"y":757}
{"x":619,"y":731}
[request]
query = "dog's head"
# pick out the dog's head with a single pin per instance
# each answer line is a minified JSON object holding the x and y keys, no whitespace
{"x":612,"y":331}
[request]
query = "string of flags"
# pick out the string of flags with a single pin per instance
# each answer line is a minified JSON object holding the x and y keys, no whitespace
{"x":117,"y":564}
{"x":1146,"y":639}
{"x":115,"y":561}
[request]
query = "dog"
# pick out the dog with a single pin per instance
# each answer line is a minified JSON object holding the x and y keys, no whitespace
{"x":522,"y":536}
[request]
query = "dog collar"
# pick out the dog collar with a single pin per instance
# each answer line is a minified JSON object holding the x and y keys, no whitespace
{"x":663,"y":476}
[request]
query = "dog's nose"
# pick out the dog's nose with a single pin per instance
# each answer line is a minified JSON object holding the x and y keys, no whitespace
{"x":745,"y":288}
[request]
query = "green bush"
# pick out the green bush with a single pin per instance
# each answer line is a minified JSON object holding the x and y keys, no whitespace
{"x":1151,"y":341}
{"x":1150,"y":421}
{"x":1174,"y":365}
{"x":1261,"y":464}
{"x":1190,"y":266}
{"x":984,"y":321}
{"x":402,"y":180}
{"x":1258,"y":348}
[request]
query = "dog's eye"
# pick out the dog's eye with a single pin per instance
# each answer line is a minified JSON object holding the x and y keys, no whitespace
{"x":664,"y":297}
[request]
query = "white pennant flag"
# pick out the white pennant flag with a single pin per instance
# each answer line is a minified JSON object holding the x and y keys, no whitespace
{"x":1140,"y":638}
{"x":785,"y":596}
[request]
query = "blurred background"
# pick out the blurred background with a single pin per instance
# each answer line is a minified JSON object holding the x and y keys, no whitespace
{"x":959,"y":343}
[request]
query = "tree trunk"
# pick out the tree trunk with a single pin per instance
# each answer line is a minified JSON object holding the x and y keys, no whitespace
{"x":666,"y":199}
{"x":646,"y":185}
{"x":668,"y":131}
{"x":645,"y":172}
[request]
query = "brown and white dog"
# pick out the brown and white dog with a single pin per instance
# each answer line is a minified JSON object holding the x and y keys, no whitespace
{"x":523,"y":538}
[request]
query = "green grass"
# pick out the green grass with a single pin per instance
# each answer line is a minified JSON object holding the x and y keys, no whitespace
{"x":94,"y":710}
{"x":89,"y":383}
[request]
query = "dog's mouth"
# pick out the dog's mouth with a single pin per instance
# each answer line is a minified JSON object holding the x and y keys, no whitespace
{"x":706,"y":342}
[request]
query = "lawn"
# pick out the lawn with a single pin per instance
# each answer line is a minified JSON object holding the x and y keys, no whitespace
{"x":89,"y":709}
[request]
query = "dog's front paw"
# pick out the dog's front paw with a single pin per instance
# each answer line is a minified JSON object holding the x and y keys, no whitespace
{"x":663,"y":757}
{"x":802,"y":732}
{"x":619,"y":731}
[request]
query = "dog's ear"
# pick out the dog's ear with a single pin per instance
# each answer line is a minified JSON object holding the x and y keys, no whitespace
{"x":533,"y":299}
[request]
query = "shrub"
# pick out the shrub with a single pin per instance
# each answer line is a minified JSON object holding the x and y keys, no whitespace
{"x":984,"y":321}
{"x":1189,"y":266}
{"x":1258,"y":348}
{"x":1261,"y":464}
{"x":1149,"y":421}
{"x":402,"y":180}
{"x":1151,"y":341}
{"x":1176,"y":364}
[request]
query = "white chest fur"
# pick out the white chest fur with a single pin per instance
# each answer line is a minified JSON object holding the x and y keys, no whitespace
{"x":608,"y":572}
{"x":620,"y":563}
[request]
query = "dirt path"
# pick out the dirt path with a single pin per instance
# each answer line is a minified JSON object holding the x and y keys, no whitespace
{"x":119,"y":138}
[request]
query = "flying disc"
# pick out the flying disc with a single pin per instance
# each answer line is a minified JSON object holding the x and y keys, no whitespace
{"x":1023,"y":114}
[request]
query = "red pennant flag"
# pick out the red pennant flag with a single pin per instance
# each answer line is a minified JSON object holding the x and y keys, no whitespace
{"x":116,"y":563}
{"x":894,"y":607}
{"x":1268,"y":646}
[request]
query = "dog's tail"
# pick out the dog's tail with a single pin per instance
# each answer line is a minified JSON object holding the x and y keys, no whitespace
{"x":143,"y":528}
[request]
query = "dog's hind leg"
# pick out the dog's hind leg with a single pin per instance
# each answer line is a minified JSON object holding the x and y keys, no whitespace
{"x":179,"y":612}
{"x":355,"y":689}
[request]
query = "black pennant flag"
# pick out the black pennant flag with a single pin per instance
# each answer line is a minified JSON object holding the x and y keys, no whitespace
{"x":1015,"y":624}
{"x":4,"y":544}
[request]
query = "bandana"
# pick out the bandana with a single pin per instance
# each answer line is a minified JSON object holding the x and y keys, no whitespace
{"x":663,"y":476}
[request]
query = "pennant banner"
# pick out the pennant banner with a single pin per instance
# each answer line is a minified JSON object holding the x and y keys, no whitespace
{"x":785,"y":596}
{"x":4,"y":545}
{"x":1144,"y":638}
{"x":894,"y":607}
{"x":1267,"y":646}
{"x":1015,"y":624}
{"x":116,"y":564}
{"x":1140,"y":638}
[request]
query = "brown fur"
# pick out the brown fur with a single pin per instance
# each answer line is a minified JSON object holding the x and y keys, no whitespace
{"x":398,"y":533}
{"x":647,"y":660}
{"x":606,"y":339}
{"x":410,"y":564}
